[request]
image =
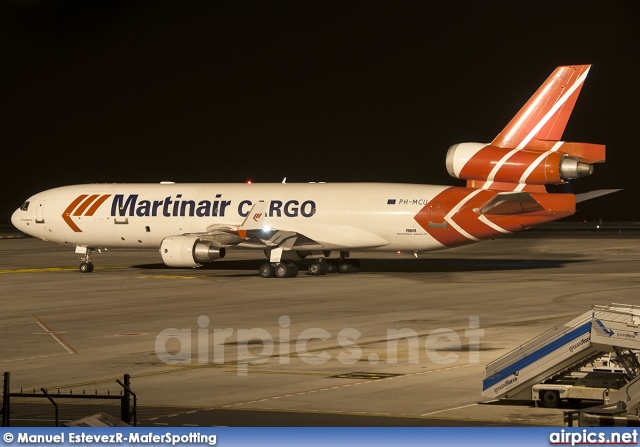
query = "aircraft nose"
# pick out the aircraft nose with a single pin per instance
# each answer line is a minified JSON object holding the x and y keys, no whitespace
{"x":15,"y":219}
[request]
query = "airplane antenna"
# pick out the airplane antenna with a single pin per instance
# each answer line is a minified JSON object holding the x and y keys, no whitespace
{"x":284,"y":180}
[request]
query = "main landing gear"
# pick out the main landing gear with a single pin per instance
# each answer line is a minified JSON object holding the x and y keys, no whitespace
{"x":86,"y":266}
{"x":324,"y":266}
{"x":278,"y":269}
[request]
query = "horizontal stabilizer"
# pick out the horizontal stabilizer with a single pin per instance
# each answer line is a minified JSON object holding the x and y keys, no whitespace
{"x":593,"y":194}
{"x":506,"y":203}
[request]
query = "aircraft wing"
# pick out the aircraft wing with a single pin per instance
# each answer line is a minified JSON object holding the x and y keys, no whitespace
{"x":255,"y":233}
{"x":303,"y":237}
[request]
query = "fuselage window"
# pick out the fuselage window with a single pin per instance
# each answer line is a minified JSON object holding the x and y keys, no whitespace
{"x":25,"y":206}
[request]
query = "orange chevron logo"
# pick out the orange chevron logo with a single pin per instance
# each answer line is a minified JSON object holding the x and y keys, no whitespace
{"x":84,"y":204}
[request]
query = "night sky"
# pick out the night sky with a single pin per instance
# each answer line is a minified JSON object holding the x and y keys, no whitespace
{"x":227,"y":91}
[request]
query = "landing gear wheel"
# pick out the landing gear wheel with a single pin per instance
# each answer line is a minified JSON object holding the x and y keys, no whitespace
{"x":294,"y":269}
{"x":318,"y":268}
{"x":332,"y":266}
{"x":86,"y":267}
{"x":550,"y":399}
{"x":266,"y":271}
{"x":346,"y":267}
{"x":282,"y":270}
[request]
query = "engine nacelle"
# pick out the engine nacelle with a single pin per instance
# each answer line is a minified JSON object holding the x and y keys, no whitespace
{"x":188,"y":251}
{"x":478,"y":161}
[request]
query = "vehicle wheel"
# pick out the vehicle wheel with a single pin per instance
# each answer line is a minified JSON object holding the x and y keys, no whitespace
{"x":266,"y":271}
{"x":356,"y":265}
{"x":332,"y":266}
{"x":294,"y":269}
{"x":346,"y":267}
{"x":550,"y":399}
{"x":318,"y":268}
{"x":282,"y":271}
{"x":86,"y":267}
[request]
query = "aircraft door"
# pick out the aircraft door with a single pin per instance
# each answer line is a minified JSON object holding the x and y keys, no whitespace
{"x":39,"y":212}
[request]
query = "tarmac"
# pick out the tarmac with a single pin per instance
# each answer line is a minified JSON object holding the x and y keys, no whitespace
{"x":404,"y":342}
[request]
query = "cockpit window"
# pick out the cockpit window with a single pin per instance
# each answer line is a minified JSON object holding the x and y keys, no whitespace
{"x":25,"y":206}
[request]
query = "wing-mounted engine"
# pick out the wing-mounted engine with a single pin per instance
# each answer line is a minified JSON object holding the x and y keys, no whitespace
{"x":189,"y":251}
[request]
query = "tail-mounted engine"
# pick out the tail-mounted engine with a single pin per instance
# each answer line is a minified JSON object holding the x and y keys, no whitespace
{"x":557,"y":163}
{"x":189,"y":251}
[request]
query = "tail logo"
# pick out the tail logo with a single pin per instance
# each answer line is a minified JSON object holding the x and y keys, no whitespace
{"x":83,"y":205}
{"x":257,"y":216}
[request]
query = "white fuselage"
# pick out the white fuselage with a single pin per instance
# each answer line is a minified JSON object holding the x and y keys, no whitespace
{"x":340,"y":216}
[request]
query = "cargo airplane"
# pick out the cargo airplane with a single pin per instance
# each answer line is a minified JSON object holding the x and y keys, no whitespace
{"x":196,"y":223}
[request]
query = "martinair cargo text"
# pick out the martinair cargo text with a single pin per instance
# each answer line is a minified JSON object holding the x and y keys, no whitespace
{"x":192,"y":224}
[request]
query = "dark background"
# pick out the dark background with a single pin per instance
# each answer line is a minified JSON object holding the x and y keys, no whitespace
{"x":209,"y":91}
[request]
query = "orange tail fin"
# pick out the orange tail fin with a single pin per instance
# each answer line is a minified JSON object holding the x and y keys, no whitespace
{"x":528,"y":154}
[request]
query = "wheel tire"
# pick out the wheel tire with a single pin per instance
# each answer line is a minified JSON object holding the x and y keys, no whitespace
{"x":318,"y":268}
{"x":345,"y":267}
{"x":86,"y":267}
{"x":282,"y":270}
{"x":332,"y":266}
{"x":550,"y":399}
{"x":266,"y":271}
{"x":356,"y":265}
{"x":294,"y":269}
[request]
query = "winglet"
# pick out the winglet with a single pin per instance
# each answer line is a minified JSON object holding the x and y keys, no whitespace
{"x":253,"y":221}
{"x":255,"y":218}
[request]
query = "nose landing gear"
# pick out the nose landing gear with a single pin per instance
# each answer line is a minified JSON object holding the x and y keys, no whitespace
{"x":86,"y":266}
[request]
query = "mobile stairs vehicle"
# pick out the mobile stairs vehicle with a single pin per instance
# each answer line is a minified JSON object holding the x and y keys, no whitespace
{"x":544,"y":369}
